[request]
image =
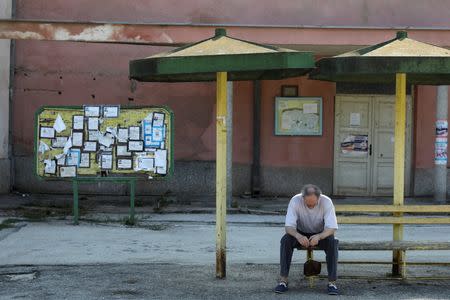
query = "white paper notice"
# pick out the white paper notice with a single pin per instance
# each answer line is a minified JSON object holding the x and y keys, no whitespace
{"x":310,"y":108}
{"x":93,"y":123}
{"x":68,"y":171}
{"x":122,"y":150}
{"x":161,"y":158}
{"x":111,"y":111}
{"x":43,"y":147}
{"x":124,"y":163}
{"x":106,"y":161}
{"x":122,"y":135}
{"x":134,"y":133}
{"x":59,"y":124}
{"x":112,"y":131}
{"x":355,"y":119}
{"x":68,"y":145}
{"x":78,"y":123}
{"x":60,"y":159}
{"x":59,"y":142}
{"x":158,"y":119}
{"x":50,"y":166}
{"x":90,"y":146}
{"x":93,"y":135}
{"x":85,"y":160}
{"x":161,"y":170}
{"x":92,"y":111}
{"x":106,"y":140}
{"x":157,"y":134}
{"x":77,"y":138}
{"x":145,"y":163}
{"x":47,"y":132}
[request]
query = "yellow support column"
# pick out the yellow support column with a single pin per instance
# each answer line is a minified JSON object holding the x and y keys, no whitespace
{"x":221,"y":174}
{"x":399,"y":166}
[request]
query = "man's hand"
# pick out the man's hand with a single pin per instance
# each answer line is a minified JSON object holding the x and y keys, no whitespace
{"x":314,"y":240}
{"x":303,"y":240}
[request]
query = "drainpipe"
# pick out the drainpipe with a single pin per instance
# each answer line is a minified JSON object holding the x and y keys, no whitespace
{"x":256,"y":167}
{"x":440,"y":157}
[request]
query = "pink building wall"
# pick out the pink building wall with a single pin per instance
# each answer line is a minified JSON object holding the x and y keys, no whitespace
{"x":373,"y":13}
{"x":64,"y":73}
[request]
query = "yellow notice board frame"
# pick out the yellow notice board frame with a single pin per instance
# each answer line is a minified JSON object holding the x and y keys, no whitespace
{"x":128,"y":116}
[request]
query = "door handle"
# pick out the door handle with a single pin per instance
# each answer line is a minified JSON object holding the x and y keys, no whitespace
{"x":370,"y":150}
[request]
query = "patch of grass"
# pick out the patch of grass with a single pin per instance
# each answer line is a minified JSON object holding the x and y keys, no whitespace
{"x":126,"y":292}
{"x":8,"y":223}
{"x":156,"y":227}
{"x":162,"y":202}
{"x":128,"y":222}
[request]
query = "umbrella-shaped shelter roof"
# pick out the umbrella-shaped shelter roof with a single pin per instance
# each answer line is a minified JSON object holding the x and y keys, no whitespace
{"x":242,"y":60}
{"x":424,"y":63}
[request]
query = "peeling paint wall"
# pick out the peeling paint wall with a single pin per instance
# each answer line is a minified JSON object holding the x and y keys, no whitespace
{"x":65,"y":73}
{"x":250,"y":12}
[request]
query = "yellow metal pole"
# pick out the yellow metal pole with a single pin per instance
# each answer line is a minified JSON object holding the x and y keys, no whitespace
{"x":399,"y":165}
{"x":221,"y":174}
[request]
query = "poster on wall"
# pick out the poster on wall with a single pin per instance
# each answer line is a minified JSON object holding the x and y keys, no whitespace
{"x":298,"y":116}
{"x":355,"y":145}
{"x":441,"y":128}
{"x":440,"y":151}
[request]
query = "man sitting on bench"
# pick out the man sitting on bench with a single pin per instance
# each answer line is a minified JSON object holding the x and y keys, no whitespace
{"x":310,"y":221}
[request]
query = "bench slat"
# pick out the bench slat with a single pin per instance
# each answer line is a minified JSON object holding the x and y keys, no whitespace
{"x":393,"y":208}
{"x":400,"y":245}
{"x":392,"y":220}
{"x":395,"y":245}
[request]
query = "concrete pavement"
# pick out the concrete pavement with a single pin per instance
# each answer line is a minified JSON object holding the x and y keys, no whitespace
{"x":172,"y":256}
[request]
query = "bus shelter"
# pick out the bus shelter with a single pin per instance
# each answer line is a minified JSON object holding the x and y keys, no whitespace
{"x":405,"y":61}
{"x":222,"y":58}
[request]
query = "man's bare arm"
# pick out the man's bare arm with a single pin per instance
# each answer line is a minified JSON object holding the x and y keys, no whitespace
{"x":314,"y":240}
{"x":326,"y":233}
{"x":303,"y":240}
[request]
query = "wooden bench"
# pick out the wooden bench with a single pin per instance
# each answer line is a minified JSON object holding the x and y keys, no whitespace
{"x":370,"y":214}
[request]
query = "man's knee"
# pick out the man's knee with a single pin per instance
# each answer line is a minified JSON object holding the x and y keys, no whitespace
{"x":287,"y":239}
{"x":331,"y":241}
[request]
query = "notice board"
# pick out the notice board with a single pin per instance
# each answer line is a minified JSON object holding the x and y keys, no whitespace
{"x":103,"y":140}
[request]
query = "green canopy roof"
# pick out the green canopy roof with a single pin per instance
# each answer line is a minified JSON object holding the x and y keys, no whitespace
{"x":423,"y":63}
{"x":242,"y":60}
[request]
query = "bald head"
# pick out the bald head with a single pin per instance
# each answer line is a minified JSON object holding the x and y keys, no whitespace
{"x":311,"y":194}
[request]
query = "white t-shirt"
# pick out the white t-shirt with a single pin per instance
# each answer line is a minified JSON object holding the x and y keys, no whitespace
{"x":311,"y":220}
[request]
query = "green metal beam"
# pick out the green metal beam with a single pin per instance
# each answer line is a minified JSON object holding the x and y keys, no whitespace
{"x":420,"y":70}
{"x":238,"y":66}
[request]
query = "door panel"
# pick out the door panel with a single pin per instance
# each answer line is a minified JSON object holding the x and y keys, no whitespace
{"x":352,"y":172}
{"x":370,"y":173}
{"x":383,"y":147}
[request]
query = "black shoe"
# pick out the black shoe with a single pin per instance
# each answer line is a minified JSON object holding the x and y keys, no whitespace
{"x":332,"y":289}
{"x":281,"y":288}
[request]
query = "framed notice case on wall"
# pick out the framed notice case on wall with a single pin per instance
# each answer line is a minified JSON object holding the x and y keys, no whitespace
{"x":297,"y":116}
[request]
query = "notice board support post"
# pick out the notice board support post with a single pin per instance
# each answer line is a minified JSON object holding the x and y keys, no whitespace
{"x":75,"y":201}
{"x":132,"y":183}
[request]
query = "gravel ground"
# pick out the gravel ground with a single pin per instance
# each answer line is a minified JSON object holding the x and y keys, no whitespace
{"x":172,"y":281}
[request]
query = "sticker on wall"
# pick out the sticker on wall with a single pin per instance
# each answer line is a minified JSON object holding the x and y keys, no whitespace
{"x":440,"y":151}
{"x":355,"y":145}
{"x":355,"y":119}
{"x":441,"y":128}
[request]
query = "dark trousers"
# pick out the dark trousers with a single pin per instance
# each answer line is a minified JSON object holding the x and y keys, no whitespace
{"x":329,"y":245}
